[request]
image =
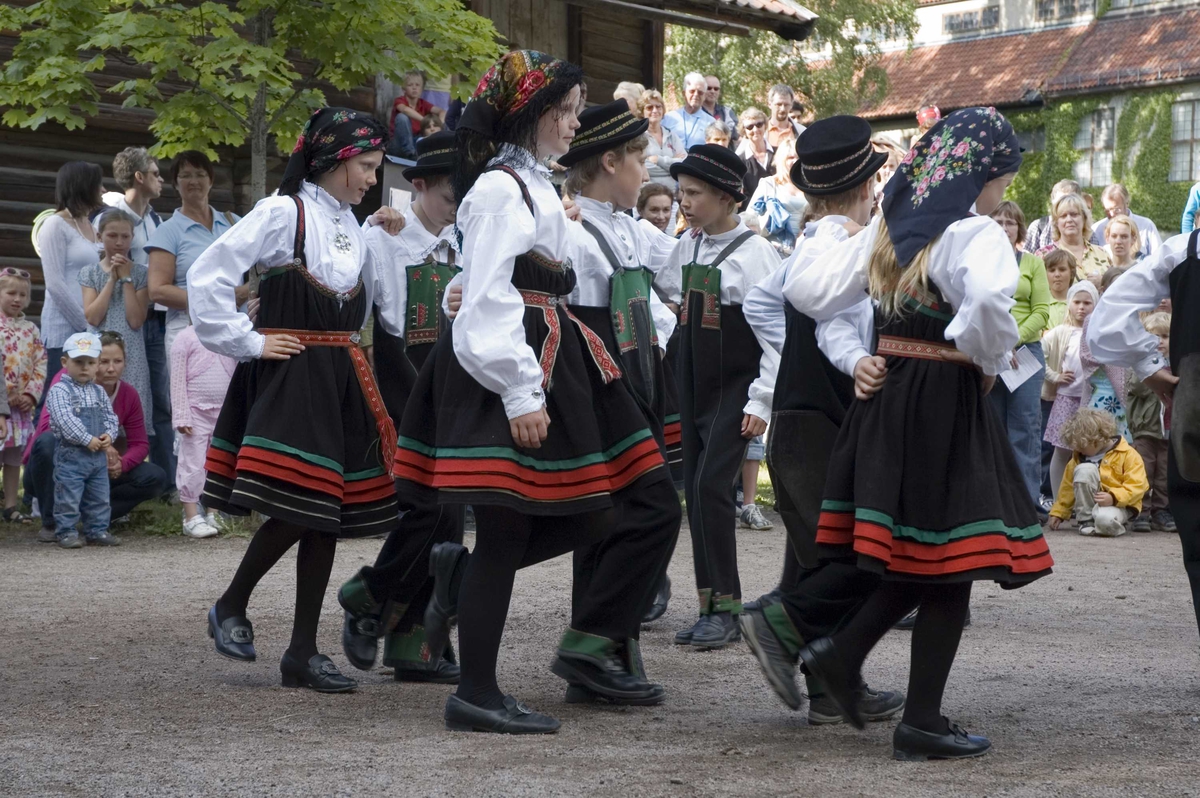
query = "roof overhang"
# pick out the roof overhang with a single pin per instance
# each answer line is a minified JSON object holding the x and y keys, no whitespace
{"x":787,"y":18}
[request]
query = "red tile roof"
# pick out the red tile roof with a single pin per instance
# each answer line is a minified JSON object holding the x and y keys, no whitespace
{"x":998,"y":70}
{"x":1132,"y":51}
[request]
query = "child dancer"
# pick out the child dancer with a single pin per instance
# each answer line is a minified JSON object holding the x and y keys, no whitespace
{"x":415,"y":267}
{"x":1105,"y":479}
{"x":1115,"y":335}
{"x":1150,"y":424}
{"x":82,"y":418}
{"x":24,"y":376}
{"x":116,"y":297}
{"x":521,"y":411}
{"x":199,"y":381}
{"x":614,"y":296}
{"x":303,"y":436}
{"x":923,"y":487}
{"x":725,"y":376}
{"x":835,"y":170}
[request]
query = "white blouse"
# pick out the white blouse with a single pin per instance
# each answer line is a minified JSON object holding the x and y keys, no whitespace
{"x":846,"y":337}
{"x":64,"y":252}
{"x":629,"y":242}
{"x":1115,"y":333}
{"x":751,"y":263}
{"x":393,"y":254}
{"x":497,"y":227}
{"x":971,"y":264}
{"x":263,"y":239}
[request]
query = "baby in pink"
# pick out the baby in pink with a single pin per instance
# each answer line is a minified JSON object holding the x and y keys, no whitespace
{"x":199,"y":380}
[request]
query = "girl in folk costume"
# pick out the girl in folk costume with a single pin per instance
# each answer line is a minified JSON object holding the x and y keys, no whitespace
{"x":520,"y":411}
{"x":303,"y":436}
{"x":413,"y":270}
{"x":923,"y":487}
{"x":813,"y":392}
{"x":616,"y":580}
{"x":725,"y":376}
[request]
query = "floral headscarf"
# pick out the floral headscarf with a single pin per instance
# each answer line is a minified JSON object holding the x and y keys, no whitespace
{"x":940,"y":178}
{"x":330,"y":136}
{"x":511,"y":84}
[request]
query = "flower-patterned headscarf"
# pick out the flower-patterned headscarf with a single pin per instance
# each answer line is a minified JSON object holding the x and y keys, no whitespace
{"x":330,"y":136}
{"x":940,"y":178}
{"x":510,"y":86}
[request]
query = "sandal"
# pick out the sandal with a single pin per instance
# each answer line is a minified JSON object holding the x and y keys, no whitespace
{"x":12,"y":515}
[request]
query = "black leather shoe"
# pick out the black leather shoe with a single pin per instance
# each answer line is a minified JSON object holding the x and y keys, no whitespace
{"x":684,"y":636}
{"x":443,"y":672}
{"x":873,"y":706}
{"x":360,"y":641}
{"x":776,"y":664}
{"x":910,"y":744}
{"x":233,"y":637}
{"x":822,"y":662}
{"x":756,"y":604}
{"x":661,"y":598}
{"x":319,"y":674}
{"x":719,"y":630}
{"x":906,"y":623}
{"x":513,"y":718}
{"x":607,"y":677}
{"x":578,"y":694}
{"x":442,"y":612}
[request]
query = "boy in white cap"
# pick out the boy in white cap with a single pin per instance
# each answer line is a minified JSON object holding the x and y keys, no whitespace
{"x":82,"y":418}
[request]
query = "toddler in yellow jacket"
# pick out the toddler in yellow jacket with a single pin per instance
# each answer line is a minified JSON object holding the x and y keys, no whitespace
{"x":1105,"y":479}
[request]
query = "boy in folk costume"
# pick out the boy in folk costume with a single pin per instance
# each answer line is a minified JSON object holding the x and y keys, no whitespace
{"x":1116,"y":336}
{"x":413,"y":270}
{"x":835,"y":170}
{"x":725,"y":376}
{"x":615,"y":580}
{"x":923,"y":488}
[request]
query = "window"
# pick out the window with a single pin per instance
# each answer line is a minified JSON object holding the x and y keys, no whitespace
{"x":969,"y":21}
{"x":1185,"y":142}
{"x":882,"y":33}
{"x":1095,"y":139}
{"x":1051,"y":10}
{"x":1032,"y":140}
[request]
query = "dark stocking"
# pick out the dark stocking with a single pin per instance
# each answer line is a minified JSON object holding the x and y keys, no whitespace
{"x":934,"y":643}
{"x":270,"y":542}
{"x":314,"y":561}
{"x":890,"y":602}
{"x":483,"y":599}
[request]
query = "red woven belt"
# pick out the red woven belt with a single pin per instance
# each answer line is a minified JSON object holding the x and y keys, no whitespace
{"x":912,"y":347}
{"x":366,"y":380}
{"x":599,"y":352}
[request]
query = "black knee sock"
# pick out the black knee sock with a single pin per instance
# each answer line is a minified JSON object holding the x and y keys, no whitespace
{"x":270,"y":542}
{"x":314,"y":561}
{"x":935,"y":640}
{"x":484,"y":595}
{"x":890,"y":602}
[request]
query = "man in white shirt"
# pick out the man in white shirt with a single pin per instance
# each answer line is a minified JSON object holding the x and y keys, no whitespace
{"x":691,"y":121}
{"x":1116,"y":203}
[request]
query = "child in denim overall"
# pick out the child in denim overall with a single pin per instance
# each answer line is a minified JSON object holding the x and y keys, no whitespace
{"x":82,"y":418}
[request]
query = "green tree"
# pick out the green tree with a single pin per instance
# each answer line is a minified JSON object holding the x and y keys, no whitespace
{"x":250,"y":69}
{"x":842,"y":81}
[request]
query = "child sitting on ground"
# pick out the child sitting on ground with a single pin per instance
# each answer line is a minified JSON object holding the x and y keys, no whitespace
{"x":199,"y":380}
{"x":82,"y":418}
{"x":1104,"y":481}
{"x":1150,"y":425}
{"x":24,"y":375}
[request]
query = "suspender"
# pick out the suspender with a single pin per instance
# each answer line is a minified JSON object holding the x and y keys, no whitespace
{"x":604,"y":246}
{"x":508,"y":170}
{"x":298,"y":246}
{"x":1192,"y":244}
{"x":725,"y":253}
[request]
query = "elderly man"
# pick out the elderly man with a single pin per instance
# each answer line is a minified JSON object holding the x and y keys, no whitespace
{"x":722,"y":113}
{"x":1115,"y":199}
{"x":1040,"y":233}
{"x":690,"y":121}
{"x":780,"y":125}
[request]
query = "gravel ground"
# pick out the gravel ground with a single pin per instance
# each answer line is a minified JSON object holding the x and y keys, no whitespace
{"x":1087,"y":683}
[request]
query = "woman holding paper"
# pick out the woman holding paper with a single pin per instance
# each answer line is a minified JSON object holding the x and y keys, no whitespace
{"x":1020,"y":408}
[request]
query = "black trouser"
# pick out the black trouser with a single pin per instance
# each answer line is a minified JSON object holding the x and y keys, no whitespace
{"x":399,"y":579}
{"x":616,"y":578}
{"x":713,"y":450}
{"x":1185,"y":506}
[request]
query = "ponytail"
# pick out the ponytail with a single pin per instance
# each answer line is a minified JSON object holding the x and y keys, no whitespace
{"x":889,"y":285}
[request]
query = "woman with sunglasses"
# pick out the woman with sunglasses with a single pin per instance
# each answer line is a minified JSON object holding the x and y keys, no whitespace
{"x":753,"y":151}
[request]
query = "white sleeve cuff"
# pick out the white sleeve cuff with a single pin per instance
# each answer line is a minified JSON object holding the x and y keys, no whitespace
{"x":850,"y":360}
{"x":522,"y":399}
{"x":756,"y":408}
{"x":993,"y":367}
{"x":258,"y":348}
{"x":1149,"y":365}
